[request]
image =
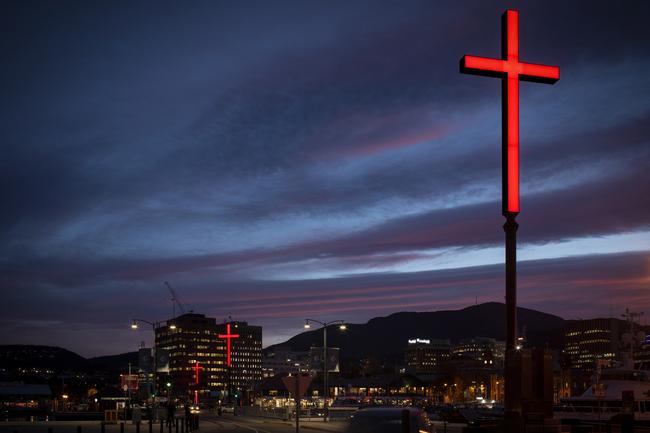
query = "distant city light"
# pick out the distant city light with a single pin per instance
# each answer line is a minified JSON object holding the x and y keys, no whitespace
{"x":419,"y":340}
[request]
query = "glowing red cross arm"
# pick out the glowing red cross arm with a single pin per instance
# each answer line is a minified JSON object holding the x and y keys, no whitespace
{"x":228,"y":336}
{"x":511,"y":71}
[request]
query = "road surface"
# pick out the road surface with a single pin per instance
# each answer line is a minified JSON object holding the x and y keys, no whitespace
{"x":208,"y":424}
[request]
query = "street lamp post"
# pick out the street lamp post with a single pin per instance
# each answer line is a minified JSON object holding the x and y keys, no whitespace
{"x":134,"y":325}
{"x":342,"y":327}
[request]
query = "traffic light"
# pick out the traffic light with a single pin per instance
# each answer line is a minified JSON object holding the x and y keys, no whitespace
{"x":169,"y":384}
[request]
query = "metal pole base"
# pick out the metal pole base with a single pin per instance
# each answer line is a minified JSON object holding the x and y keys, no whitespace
{"x":512,"y":423}
{"x":512,"y":365}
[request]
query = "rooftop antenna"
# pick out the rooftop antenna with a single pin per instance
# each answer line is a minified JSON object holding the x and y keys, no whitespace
{"x":630,"y":317}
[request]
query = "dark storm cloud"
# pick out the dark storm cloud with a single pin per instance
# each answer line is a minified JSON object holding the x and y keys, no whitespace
{"x":209,"y":141}
{"x":265,"y":123}
{"x":575,"y":211}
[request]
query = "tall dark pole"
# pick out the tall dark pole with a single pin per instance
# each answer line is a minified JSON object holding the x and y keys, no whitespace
{"x":325,"y":368}
{"x":326,"y":393}
{"x":155,"y":361}
{"x":297,"y":399}
{"x":511,"y":402}
{"x":510,"y":70}
{"x":134,"y":325}
{"x":510,"y":227}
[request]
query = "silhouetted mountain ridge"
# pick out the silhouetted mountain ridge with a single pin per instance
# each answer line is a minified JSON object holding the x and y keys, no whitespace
{"x":381,"y":337}
{"x":386,"y":337}
{"x":13,"y":356}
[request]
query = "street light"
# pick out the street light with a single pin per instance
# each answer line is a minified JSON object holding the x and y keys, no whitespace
{"x":134,"y":325}
{"x":342,"y":327}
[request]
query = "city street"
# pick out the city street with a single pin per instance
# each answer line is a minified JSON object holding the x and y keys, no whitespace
{"x":208,"y":424}
{"x":262,"y":425}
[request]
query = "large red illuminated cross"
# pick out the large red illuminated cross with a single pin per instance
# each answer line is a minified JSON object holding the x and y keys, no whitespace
{"x":228,"y":336}
{"x":510,"y":70}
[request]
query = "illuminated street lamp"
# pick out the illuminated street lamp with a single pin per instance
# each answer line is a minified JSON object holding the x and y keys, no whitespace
{"x":342,"y":327}
{"x":134,"y":325}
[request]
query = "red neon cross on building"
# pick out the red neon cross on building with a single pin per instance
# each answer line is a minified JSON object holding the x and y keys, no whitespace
{"x":510,"y":70}
{"x":228,"y":336}
{"x":196,"y":391}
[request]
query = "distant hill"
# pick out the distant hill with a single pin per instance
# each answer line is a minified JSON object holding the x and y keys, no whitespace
{"x":56,"y":358}
{"x":113,"y":362}
{"x":381,"y":337}
{"x":32,"y":356}
{"x":386,"y":337}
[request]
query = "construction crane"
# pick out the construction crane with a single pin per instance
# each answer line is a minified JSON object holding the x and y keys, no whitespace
{"x":175,"y":300}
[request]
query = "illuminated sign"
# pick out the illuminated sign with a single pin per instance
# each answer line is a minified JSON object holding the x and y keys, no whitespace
{"x":419,"y":340}
{"x":228,"y":336}
{"x":510,"y":70}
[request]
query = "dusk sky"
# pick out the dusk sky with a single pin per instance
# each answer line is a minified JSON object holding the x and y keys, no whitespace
{"x":278,"y":160}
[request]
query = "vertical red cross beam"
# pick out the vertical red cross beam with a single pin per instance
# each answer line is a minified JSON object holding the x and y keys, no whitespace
{"x":511,"y":71}
{"x":196,"y":391}
{"x":228,"y":336}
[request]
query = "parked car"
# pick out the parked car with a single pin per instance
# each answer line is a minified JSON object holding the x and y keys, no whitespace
{"x":229,"y":408}
{"x":388,"y":420}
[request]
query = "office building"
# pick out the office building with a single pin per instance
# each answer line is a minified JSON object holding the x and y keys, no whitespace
{"x":586,"y":341}
{"x":489,"y":351}
{"x":197,"y":349}
{"x":190,"y":339}
{"x":245,"y":354}
{"x":425,"y":355}
{"x":281,"y":361}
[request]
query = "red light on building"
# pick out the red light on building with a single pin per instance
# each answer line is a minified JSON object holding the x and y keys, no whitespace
{"x":511,"y":71}
{"x":228,"y":336}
